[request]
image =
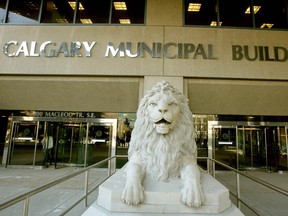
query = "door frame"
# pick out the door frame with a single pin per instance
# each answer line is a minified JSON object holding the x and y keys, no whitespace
{"x":100,"y":121}
{"x":236,"y":124}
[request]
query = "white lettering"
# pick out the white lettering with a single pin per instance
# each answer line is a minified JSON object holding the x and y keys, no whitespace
{"x":88,"y":48}
{"x":33,"y":49}
{"x":23,"y":49}
{"x":46,"y":49}
{"x":6,"y":48}
{"x":113,"y":51}
{"x":43,"y":49}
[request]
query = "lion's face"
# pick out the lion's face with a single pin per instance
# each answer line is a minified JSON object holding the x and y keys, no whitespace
{"x":163,"y":111}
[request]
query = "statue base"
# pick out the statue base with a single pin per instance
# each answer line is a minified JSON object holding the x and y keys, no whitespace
{"x":161,"y":198}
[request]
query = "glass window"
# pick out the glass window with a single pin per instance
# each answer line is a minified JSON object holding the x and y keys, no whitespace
{"x":128,"y":12}
{"x":201,"y":12}
{"x":2,"y":10}
{"x":24,"y":11}
{"x":234,"y":13}
{"x":96,"y":11}
{"x":271,"y":14}
{"x":58,"y":11}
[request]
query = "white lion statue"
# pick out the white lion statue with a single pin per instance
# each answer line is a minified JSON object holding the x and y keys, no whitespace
{"x":163,"y":146}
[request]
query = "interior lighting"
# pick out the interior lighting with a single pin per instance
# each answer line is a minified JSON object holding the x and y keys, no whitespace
{"x":54,"y":6}
{"x":267,"y":25}
{"x":25,"y":138}
{"x":255,"y":9}
{"x":73,"y":5}
{"x":194,"y":7}
{"x":120,"y":6}
{"x":214,"y":23}
{"x":124,"y":21}
{"x":32,"y":5}
{"x":62,"y":21}
{"x":86,"y":21}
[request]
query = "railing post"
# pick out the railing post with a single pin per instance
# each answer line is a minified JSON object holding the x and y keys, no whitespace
{"x":26,"y":207}
{"x":208,"y":166}
{"x":238,"y":190}
{"x":86,"y":188}
{"x":213,"y":168}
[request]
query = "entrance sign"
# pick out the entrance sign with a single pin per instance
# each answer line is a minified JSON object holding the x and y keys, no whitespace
{"x":159,"y":50}
{"x":260,"y":53}
{"x":170,"y":50}
{"x":47,"y":48}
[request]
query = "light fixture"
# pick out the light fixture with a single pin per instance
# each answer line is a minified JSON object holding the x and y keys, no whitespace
{"x":120,"y":6}
{"x":73,"y":5}
{"x":255,"y":9}
{"x":62,"y":21}
{"x":86,"y":21}
{"x":194,"y":7}
{"x":54,"y":7}
{"x":124,"y":21}
{"x":267,"y":25}
{"x":214,"y":23}
{"x":25,"y":138}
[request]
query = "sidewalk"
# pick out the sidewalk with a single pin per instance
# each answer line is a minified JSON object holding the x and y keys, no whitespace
{"x":264,"y":200}
{"x":16,"y":181}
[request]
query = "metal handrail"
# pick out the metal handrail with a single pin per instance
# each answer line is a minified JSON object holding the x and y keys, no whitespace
{"x":270,"y":186}
{"x":238,"y":173}
{"x":25,"y":197}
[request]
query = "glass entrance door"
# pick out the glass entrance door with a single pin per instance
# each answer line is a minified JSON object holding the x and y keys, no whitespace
{"x":283,"y":162}
{"x":252,"y":145}
{"x":70,"y":141}
{"x":82,"y":144}
{"x":244,"y":145}
{"x":40,"y":141}
{"x":224,"y":145}
{"x":25,"y":147}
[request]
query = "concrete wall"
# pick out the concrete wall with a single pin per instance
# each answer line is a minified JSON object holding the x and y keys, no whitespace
{"x":203,"y":62}
{"x":112,"y":94}
{"x":209,"y":52}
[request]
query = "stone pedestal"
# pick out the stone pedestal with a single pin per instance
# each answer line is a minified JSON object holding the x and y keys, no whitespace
{"x":161,"y":198}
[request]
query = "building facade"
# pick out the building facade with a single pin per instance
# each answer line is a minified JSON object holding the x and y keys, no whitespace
{"x":63,"y":79}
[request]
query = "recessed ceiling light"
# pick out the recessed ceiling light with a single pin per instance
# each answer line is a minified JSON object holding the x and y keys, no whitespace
{"x":120,"y":6}
{"x":255,"y":9}
{"x":124,"y":21}
{"x":267,"y":25}
{"x":214,"y":23}
{"x":73,"y":5}
{"x":86,"y":21}
{"x":62,"y":21}
{"x":194,"y":7}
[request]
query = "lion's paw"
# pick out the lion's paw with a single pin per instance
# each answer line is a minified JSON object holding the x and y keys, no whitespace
{"x":133,"y":194}
{"x":192,"y":195}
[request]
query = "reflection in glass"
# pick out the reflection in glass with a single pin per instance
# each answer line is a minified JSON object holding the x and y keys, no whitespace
{"x":205,"y":15}
{"x":134,"y":12}
{"x":93,"y":11}
{"x":252,"y":147}
{"x":70,"y":144}
{"x":232,"y":13}
{"x":2,"y":10}
{"x":237,"y":13}
{"x":272,"y":14}
{"x":22,"y":11}
{"x":58,"y":11}
{"x":99,"y":143}
{"x":225,"y":145}
{"x":22,"y":147}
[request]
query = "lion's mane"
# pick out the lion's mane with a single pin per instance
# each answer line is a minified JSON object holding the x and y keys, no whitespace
{"x":163,"y":156}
